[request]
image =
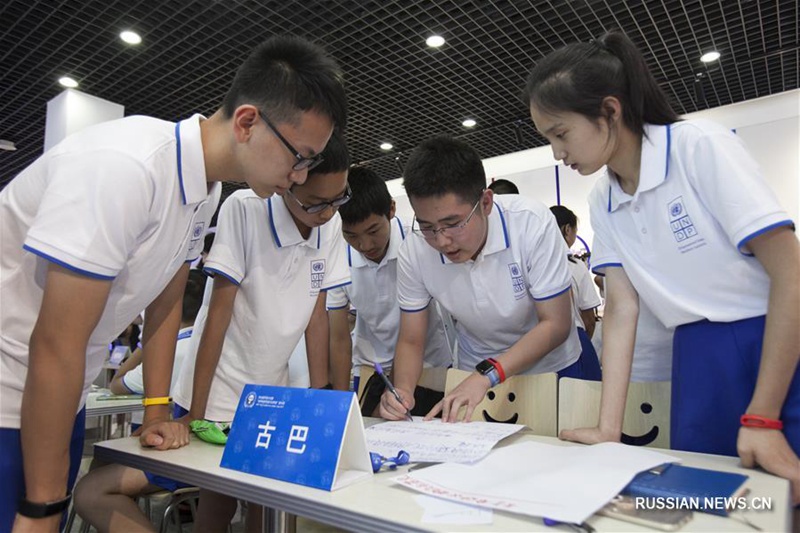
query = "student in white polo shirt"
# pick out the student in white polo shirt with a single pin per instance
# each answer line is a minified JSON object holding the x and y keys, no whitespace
{"x":104,"y":497}
{"x":102,"y":225}
{"x":497,"y":264}
{"x":684,"y":221}
{"x":584,"y":295}
{"x":272,"y":261}
{"x":374,"y":236}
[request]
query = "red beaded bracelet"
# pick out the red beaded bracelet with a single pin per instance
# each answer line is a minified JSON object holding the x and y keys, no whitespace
{"x":757,"y":421}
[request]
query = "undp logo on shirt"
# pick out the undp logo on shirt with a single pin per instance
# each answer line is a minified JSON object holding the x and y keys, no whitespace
{"x":317,"y":275}
{"x":517,"y":281}
{"x":676,"y":209}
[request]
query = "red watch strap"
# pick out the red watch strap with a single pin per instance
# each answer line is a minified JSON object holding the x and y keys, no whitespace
{"x":757,"y":421}
{"x":500,"y":372}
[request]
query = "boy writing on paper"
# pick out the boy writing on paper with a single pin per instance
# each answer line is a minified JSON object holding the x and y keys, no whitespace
{"x":104,"y":225}
{"x":272,"y":262}
{"x":374,"y":236}
{"x":497,"y":264}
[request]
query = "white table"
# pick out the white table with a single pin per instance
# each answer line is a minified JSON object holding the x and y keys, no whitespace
{"x":380,"y":504}
{"x":107,"y":408}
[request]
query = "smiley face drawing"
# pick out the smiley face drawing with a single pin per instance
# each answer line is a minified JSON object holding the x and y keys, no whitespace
{"x":647,"y":438}
{"x":511,"y":420}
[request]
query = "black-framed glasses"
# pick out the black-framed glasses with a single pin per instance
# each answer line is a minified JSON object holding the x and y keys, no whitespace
{"x":302,"y":163}
{"x":429,"y":232}
{"x":322,"y":206}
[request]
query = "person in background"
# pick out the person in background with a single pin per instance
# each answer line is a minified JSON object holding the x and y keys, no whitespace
{"x":503,"y":186}
{"x":272,"y":262}
{"x":585,"y":299}
{"x":105,"y":496}
{"x":497,"y":264}
{"x":137,"y":195}
{"x":374,"y":236}
{"x":684,"y":221}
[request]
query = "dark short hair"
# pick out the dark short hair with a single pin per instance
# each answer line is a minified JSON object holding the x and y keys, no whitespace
{"x":193,"y":295}
{"x":443,"y":165}
{"x":564,"y":216}
{"x":503,"y":186}
{"x":370,"y":196}
{"x":577,"y":77}
{"x":285,"y":76}
{"x":335,"y":157}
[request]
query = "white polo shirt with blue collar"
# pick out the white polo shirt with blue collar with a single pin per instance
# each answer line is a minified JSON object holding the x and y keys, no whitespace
{"x":373,"y":292}
{"x":682,"y":236}
{"x":125,"y":201}
{"x":280,"y":274}
{"x":492,"y":298}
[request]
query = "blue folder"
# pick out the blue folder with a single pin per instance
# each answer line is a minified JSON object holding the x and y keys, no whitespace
{"x":710,"y":491}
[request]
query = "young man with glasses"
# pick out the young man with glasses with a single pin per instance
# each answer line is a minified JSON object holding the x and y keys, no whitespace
{"x":497,"y":264}
{"x":272,"y":262}
{"x":374,"y":236}
{"x":102,"y":226}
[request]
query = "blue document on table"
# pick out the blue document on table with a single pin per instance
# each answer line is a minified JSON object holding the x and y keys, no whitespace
{"x":310,"y":437}
{"x":710,"y":491}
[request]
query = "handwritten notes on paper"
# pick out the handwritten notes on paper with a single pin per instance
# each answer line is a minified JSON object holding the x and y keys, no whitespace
{"x":436,"y":442}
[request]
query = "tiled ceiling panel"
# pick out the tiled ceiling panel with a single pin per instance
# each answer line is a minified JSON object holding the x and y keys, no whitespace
{"x":399,"y":90}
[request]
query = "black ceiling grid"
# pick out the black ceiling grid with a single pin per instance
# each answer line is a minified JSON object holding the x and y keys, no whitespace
{"x":400,"y":90}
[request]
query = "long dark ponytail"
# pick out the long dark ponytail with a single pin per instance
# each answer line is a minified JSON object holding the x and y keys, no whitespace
{"x":579,"y":76}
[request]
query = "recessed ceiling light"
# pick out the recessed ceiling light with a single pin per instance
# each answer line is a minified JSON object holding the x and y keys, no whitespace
{"x":386,"y":146}
{"x":7,"y":145}
{"x":66,"y":81}
{"x":469,"y":123}
{"x":708,"y":57}
{"x":434,"y":41}
{"x":130,"y":37}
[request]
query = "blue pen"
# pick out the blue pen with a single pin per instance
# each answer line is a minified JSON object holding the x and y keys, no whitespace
{"x":582,"y":528}
{"x":390,"y":388}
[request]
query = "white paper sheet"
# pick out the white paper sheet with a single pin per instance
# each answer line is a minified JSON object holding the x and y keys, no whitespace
{"x":437,"y":442}
{"x":564,"y":483}
{"x":439,"y":511}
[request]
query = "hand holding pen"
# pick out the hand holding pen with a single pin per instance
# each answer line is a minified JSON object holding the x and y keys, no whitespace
{"x":391,"y":389}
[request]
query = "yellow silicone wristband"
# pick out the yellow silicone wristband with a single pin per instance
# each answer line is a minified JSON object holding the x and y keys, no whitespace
{"x":163,"y":400}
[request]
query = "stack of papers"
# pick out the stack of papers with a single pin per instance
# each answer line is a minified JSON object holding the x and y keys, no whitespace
{"x":563,"y":483}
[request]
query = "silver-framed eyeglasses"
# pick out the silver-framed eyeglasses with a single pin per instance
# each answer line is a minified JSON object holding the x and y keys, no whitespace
{"x":322,"y":206}
{"x":429,"y":232}
{"x":302,"y":163}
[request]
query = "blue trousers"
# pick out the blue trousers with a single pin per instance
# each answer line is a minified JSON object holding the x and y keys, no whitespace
{"x":588,"y":364}
{"x":12,"y":473}
{"x":714,"y":371}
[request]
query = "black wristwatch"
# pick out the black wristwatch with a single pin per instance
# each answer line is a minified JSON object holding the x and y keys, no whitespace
{"x":43,"y":510}
{"x":488,"y":368}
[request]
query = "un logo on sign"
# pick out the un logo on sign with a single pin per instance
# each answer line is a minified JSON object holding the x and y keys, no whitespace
{"x":250,"y":400}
